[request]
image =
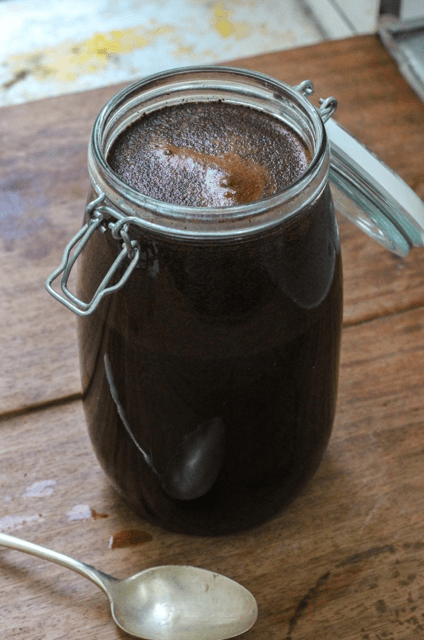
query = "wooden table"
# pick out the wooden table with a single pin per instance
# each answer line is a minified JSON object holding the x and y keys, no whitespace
{"x":346,"y":560}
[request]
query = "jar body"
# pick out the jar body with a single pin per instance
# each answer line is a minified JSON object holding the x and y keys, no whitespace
{"x":210,"y":379}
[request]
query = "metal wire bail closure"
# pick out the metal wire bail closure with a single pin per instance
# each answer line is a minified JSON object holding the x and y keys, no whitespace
{"x":327,"y":108}
{"x":130,"y":249}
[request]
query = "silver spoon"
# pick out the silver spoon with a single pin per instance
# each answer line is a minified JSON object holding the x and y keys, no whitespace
{"x":164,"y":603}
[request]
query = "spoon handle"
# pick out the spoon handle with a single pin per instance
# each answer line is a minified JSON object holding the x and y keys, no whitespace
{"x":98,"y":577}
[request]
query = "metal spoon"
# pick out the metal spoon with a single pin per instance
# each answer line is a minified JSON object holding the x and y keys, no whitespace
{"x":164,"y":603}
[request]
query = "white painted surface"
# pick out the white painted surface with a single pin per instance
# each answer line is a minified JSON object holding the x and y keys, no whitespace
{"x":49,"y":48}
{"x":412,"y":9}
{"x":332,"y":23}
{"x":11,"y":523}
{"x":79,"y":512}
{"x":343,"y":18}
{"x":40,"y":489}
{"x":362,"y":15}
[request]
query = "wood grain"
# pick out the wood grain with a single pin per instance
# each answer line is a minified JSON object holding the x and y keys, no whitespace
{"x":44,"y":184}
{"x":345,"y":560}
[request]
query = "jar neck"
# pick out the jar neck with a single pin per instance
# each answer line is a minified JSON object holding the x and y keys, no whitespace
{"x":209,"y":84}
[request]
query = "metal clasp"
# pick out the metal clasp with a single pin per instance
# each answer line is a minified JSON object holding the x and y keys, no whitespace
{"x":306,"y":88}
{"x":130,"y":249}
{"x":328,"y":106}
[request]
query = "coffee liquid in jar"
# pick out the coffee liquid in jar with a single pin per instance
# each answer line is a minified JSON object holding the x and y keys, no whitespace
{"x":210,"y":379}
{"x":208,"y":155}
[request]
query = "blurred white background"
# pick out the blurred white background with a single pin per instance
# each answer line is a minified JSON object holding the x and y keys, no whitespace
{"x":52,"y":47}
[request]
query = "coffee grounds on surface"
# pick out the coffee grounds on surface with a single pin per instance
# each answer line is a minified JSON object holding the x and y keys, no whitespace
{"x":211,"y":154}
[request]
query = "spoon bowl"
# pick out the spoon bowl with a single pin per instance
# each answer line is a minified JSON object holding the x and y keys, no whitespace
{"x":171,"y":602}
{"x":182,"y":602}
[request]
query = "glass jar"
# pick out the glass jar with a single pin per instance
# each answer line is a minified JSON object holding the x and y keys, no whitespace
{"x":210,"y":350}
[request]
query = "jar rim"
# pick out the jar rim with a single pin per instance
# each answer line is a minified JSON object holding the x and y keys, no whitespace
{"x":185,"y":220}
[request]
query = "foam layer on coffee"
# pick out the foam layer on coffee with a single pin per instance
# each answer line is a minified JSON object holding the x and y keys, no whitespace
{"x":209,"y":154}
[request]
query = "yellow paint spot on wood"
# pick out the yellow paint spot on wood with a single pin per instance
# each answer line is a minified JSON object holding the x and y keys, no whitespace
{"x":68,"y":61}
{"x":189,"y":51}
{"x":225,"y":26}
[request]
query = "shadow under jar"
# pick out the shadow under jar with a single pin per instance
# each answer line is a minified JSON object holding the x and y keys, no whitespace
{"x":210,"y":377}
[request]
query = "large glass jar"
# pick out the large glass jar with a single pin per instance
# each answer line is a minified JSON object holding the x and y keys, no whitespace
{"x":210,"y":351}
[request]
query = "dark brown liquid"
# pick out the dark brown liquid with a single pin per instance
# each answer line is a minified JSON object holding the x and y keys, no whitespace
{"x":211,"y":154}
{"x":210,"y":379}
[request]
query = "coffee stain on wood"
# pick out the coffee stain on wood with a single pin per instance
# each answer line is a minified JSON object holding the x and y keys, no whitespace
{"x":305,"y":602}
{"x":129,"y":538}
{"x":374,"y":551}
{"x":96,"y":515}
{"x":339,"y":581}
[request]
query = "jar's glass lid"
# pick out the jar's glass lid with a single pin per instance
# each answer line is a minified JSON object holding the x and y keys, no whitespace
{"x":373,"y":196}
